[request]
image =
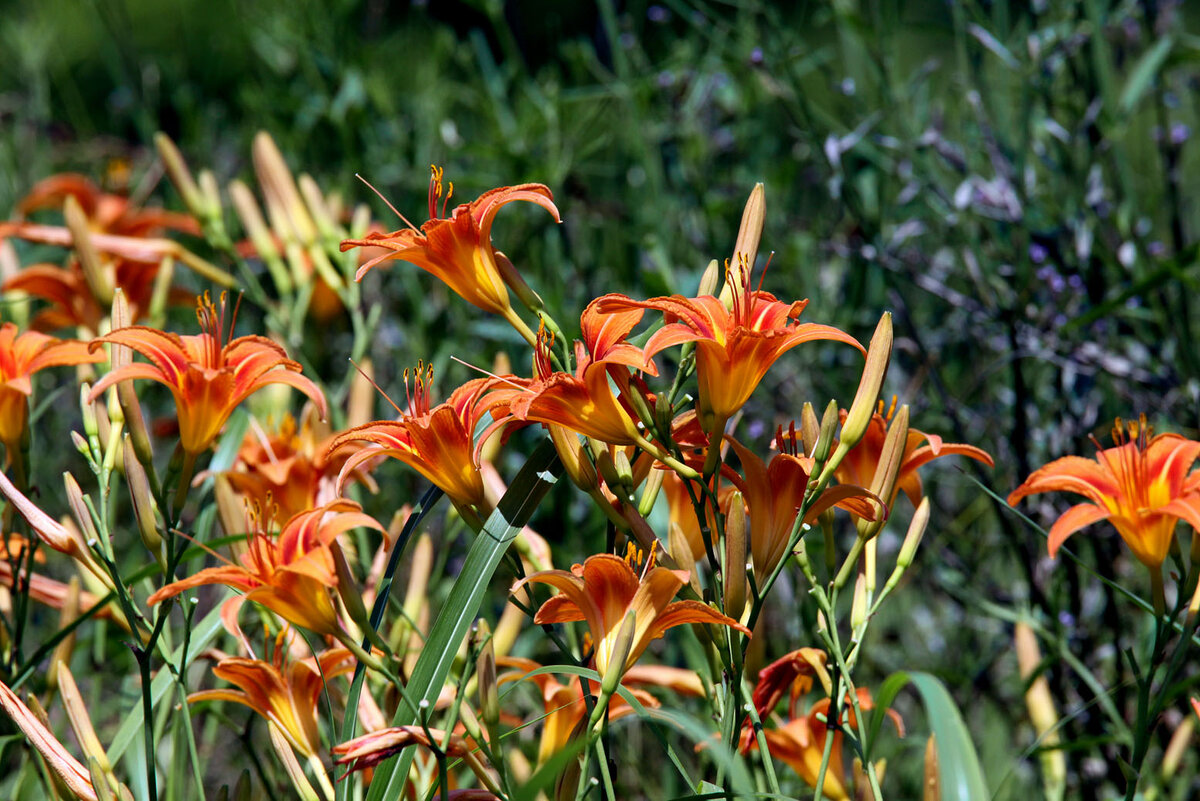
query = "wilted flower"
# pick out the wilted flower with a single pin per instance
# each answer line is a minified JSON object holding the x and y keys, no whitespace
{"x":74,"y":775}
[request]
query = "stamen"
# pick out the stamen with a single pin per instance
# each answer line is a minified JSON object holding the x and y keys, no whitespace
{"x":388,"y":203}
{"x":500,"y":378}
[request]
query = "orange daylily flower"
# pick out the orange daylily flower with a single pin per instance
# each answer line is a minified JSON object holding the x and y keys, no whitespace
{"x":774,"y":492}
{"x":458,"y":249}
{"x":605,"y":588}
{"x":735,"y":346}
{"x":438,"y":443}
{"x":859,"y":465}
{"x":208,"y":375}
{"x":22,"y":355}
{"x":1141,"y":486}
{"x":291,"y":574}
{"x":566,"y":710}
{"x":800,"y":742}
{"x":285,"y":692}
{"x":105,"y":212}
{"x":292,"y":469}
{"x":71,"y":302}
{"x":76,"y":777}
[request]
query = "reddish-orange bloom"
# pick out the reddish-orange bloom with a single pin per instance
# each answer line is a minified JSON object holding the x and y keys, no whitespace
{"x":438,"y":443}
{"x":564,"y":705}
{"x":458,"y":249}
{"x":292,"y":574}
{"x":800,"y":742}
{"x":293,"y":469}
{"x":773,"y":494}
{"x":109,"y":213}
{"x":285,"y":692}
{"x":22,"y":355}
{"x":734,"y":346}
{"x":859,"y":465}
{"x":208,"y":376}
{"x":1141,"y":486}
{"x":605,"y":588}
{"x":71,"y":302}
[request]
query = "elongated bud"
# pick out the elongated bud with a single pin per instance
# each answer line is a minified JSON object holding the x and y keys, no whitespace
{"x":1177,"y":747}
{"x":614,"y":666}
{"x":886,"y":470}
{"x":650,"y":489}
{"x":348,"y":588}
{"x":810,"y":428}
{"x":624,"y":469}
{"x":67,"y":615}
{"x":144,"y":508}
{"x":211,"y":194}
{"x":735,"y":556}
{"x":862,"y":409}
{"x":485,"y":670}
{"x":94,"y":272}
{"x":361,"y":402}
{"x":932,"y":786}
{"x":81,"y":722}
{"x":66,"y":767}
{"x":607,"y":467}
{"x":79,"y":509}
{"x":858,"y":609}
{"x":916,"y":531}
{"x":710,"y":279}
{"x":90,"y":427}
{"x":230,"y":510}
{"x":516,"y":282}
{"x":825,"y":435}
{"x":260,"y":236}
{"x":576,"y":462}
{"x":318,"y":209}
{"x":180,"y":175}
{"x":1042,"y":711}
{"x":81,"y":445}
{"x":280,"y":189}
{"x":750,"y":232}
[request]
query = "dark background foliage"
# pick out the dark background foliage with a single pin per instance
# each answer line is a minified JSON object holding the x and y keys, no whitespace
{"x":1011,"y":180}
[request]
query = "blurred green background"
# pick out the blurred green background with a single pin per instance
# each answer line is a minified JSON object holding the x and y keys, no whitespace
{"x":1011,"y":180}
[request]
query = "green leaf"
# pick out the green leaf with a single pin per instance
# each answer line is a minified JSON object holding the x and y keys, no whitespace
{"x":454,"y":620}
{"x":1144,"y":72}
{"x":886,"y":694}
{"x":959,"y":774}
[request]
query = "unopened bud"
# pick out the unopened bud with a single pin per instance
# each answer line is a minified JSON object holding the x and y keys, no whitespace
{"x":81,"y":722}
{"x":750,"y":231}
{"x":68,"y":614}
{"x":485,"y":670}
{"x":180,"y":175}
{"x":79,"y":508}
{"x":576,"y":462}
{"x":932,"y":785}
{"x":858,"y":609}
{"x":612,"y":665}
{"x":94,"y":271}
{"x":810,"y":428}
{"x":916,"y":530}
{"x":90,"y":427}
{"x":260,"y":236}
{"x":144,"y":508}
{"x":862,"y":409}
{"x":710,"y":279}
{"x":318,"y":208}
{"x":1040,"y":704}
{"x":735,"y":557}
{"x":516,"y":282}
{"x":650,"y":489}
{"x":886,"y":470}
{"x":348,"y":588}
{"x":1177,"y":747}
{"x":211,"y":194}
{"x":825,"y":434}
{"x":361,"y":401}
